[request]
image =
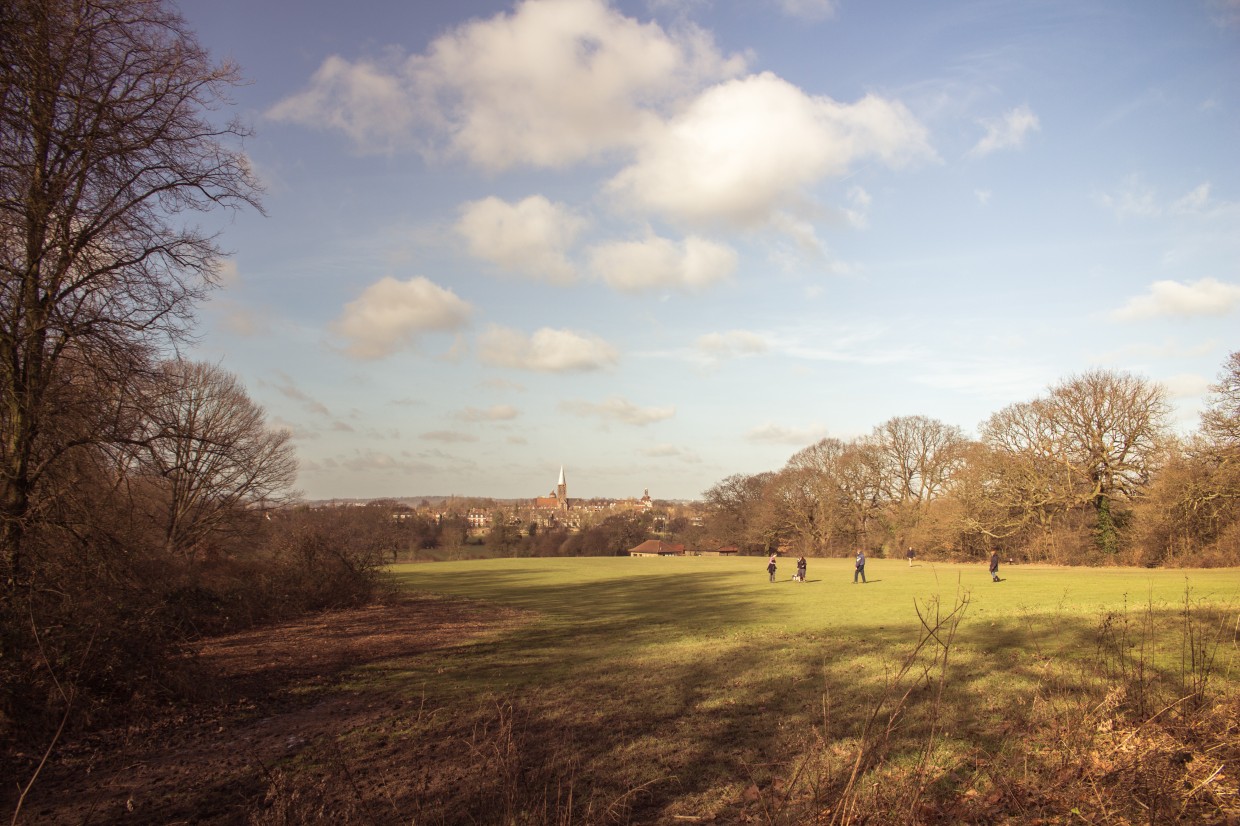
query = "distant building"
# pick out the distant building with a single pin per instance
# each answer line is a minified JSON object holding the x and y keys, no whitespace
{"x":657,"y":547}
{"x":557,"y":500}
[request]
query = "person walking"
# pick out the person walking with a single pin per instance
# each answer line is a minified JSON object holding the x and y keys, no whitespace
{"x":994,"y":566}
{"x":909,"y":555}
{"x":860,"y":569}
{"x":801,"y":565}
{"x":770,"y":567}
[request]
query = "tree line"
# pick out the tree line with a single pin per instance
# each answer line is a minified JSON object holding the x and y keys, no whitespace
{"x":1089,"y":472}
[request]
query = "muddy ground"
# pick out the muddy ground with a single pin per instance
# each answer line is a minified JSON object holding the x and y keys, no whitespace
{"x":273,"y":693}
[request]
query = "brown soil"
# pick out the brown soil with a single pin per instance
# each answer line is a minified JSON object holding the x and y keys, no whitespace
{"x":275,"y":692}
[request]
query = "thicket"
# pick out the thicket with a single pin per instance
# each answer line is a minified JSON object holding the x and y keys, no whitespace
{"x":1088,"y":473}
{"x":136,"y":488}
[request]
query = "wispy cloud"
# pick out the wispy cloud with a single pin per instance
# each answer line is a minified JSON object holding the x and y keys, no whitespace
{"x":776,"y":434}
{"x":620,"y":410}
{"x":715,"y":347}
{"x":286,"y":387}
{"x":666,"y":451}
{"x":448,"y":436}
{"x":498,"y":413}
{"x":1007,"y":131}
{"x":809,"y":10}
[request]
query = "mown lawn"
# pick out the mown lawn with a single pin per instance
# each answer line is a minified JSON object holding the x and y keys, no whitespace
{"x":673,"y":690}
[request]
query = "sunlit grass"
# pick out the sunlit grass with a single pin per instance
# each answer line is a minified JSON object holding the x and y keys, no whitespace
{"x":696,"y":678}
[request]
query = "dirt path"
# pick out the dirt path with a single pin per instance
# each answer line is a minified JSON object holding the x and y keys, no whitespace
{"x":276,"y":690}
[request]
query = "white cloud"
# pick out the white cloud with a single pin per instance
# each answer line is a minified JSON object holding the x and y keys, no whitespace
{"x":390,"y":314}
{"x":748,"y":148}
{"x":1206,"y":297}
{"x":658,"y":263}
{"x":530,"y":237}
{"x":497,"y":413}
{"x":774,"y":434}
{"x":365,"y":100}
{"x":546,"y":351}
{"x":1006,"y":132}
{"x":620,"y":410}
{"x":983,"y":196}
{"x":550,"y":84}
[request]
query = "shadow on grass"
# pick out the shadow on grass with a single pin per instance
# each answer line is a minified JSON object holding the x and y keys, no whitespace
{"x":658,"y":698}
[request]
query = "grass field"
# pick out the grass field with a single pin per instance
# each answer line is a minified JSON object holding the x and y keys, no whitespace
{"x":673,"y":690}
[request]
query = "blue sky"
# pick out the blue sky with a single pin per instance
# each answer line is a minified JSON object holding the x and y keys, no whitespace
{"x":664,"y":241}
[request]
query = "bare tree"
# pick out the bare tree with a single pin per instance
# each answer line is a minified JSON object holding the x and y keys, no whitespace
{"x":211,"y":454}
{"x":1093,"y":441}
{"x":107,"y":144}
{"x":918,"y":455}
{"x":1221,"y":420}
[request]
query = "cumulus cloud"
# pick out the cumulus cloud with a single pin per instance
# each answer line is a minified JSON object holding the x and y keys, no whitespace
{"x":619,"y":410}
{"x":658,"y":263}
{"x":1206,"y":297}
{"x":497,"y":413}
{"x":546,"y":350}
{"x":365,"y":100}
{"x":748,"y":148}
{"x":1006,"y":132}
{"x":390,"y":314}
{"x":549,"y":84}
{"x":531,"y":237}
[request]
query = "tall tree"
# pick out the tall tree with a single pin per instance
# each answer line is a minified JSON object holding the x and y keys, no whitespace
{"x":211,"y":453}
{"x":1092,"y":441}
{"x":918,"y":455}
{"x":108,"y":142}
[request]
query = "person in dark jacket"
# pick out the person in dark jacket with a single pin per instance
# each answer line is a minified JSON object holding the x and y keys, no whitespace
{"x":770,"y":567}
{"x":860,"y":569}
{"x":801,"y":566}
{"x":994,"y":566}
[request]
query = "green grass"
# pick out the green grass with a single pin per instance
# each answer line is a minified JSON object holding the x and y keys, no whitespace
{"x":674,"y":684}
{"x":673,"y":589}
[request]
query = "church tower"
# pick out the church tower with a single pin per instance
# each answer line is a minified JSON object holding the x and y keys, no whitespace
{"x":561,"y":491}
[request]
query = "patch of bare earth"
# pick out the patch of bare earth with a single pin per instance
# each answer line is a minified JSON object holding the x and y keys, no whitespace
{"x":272,"y":692}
